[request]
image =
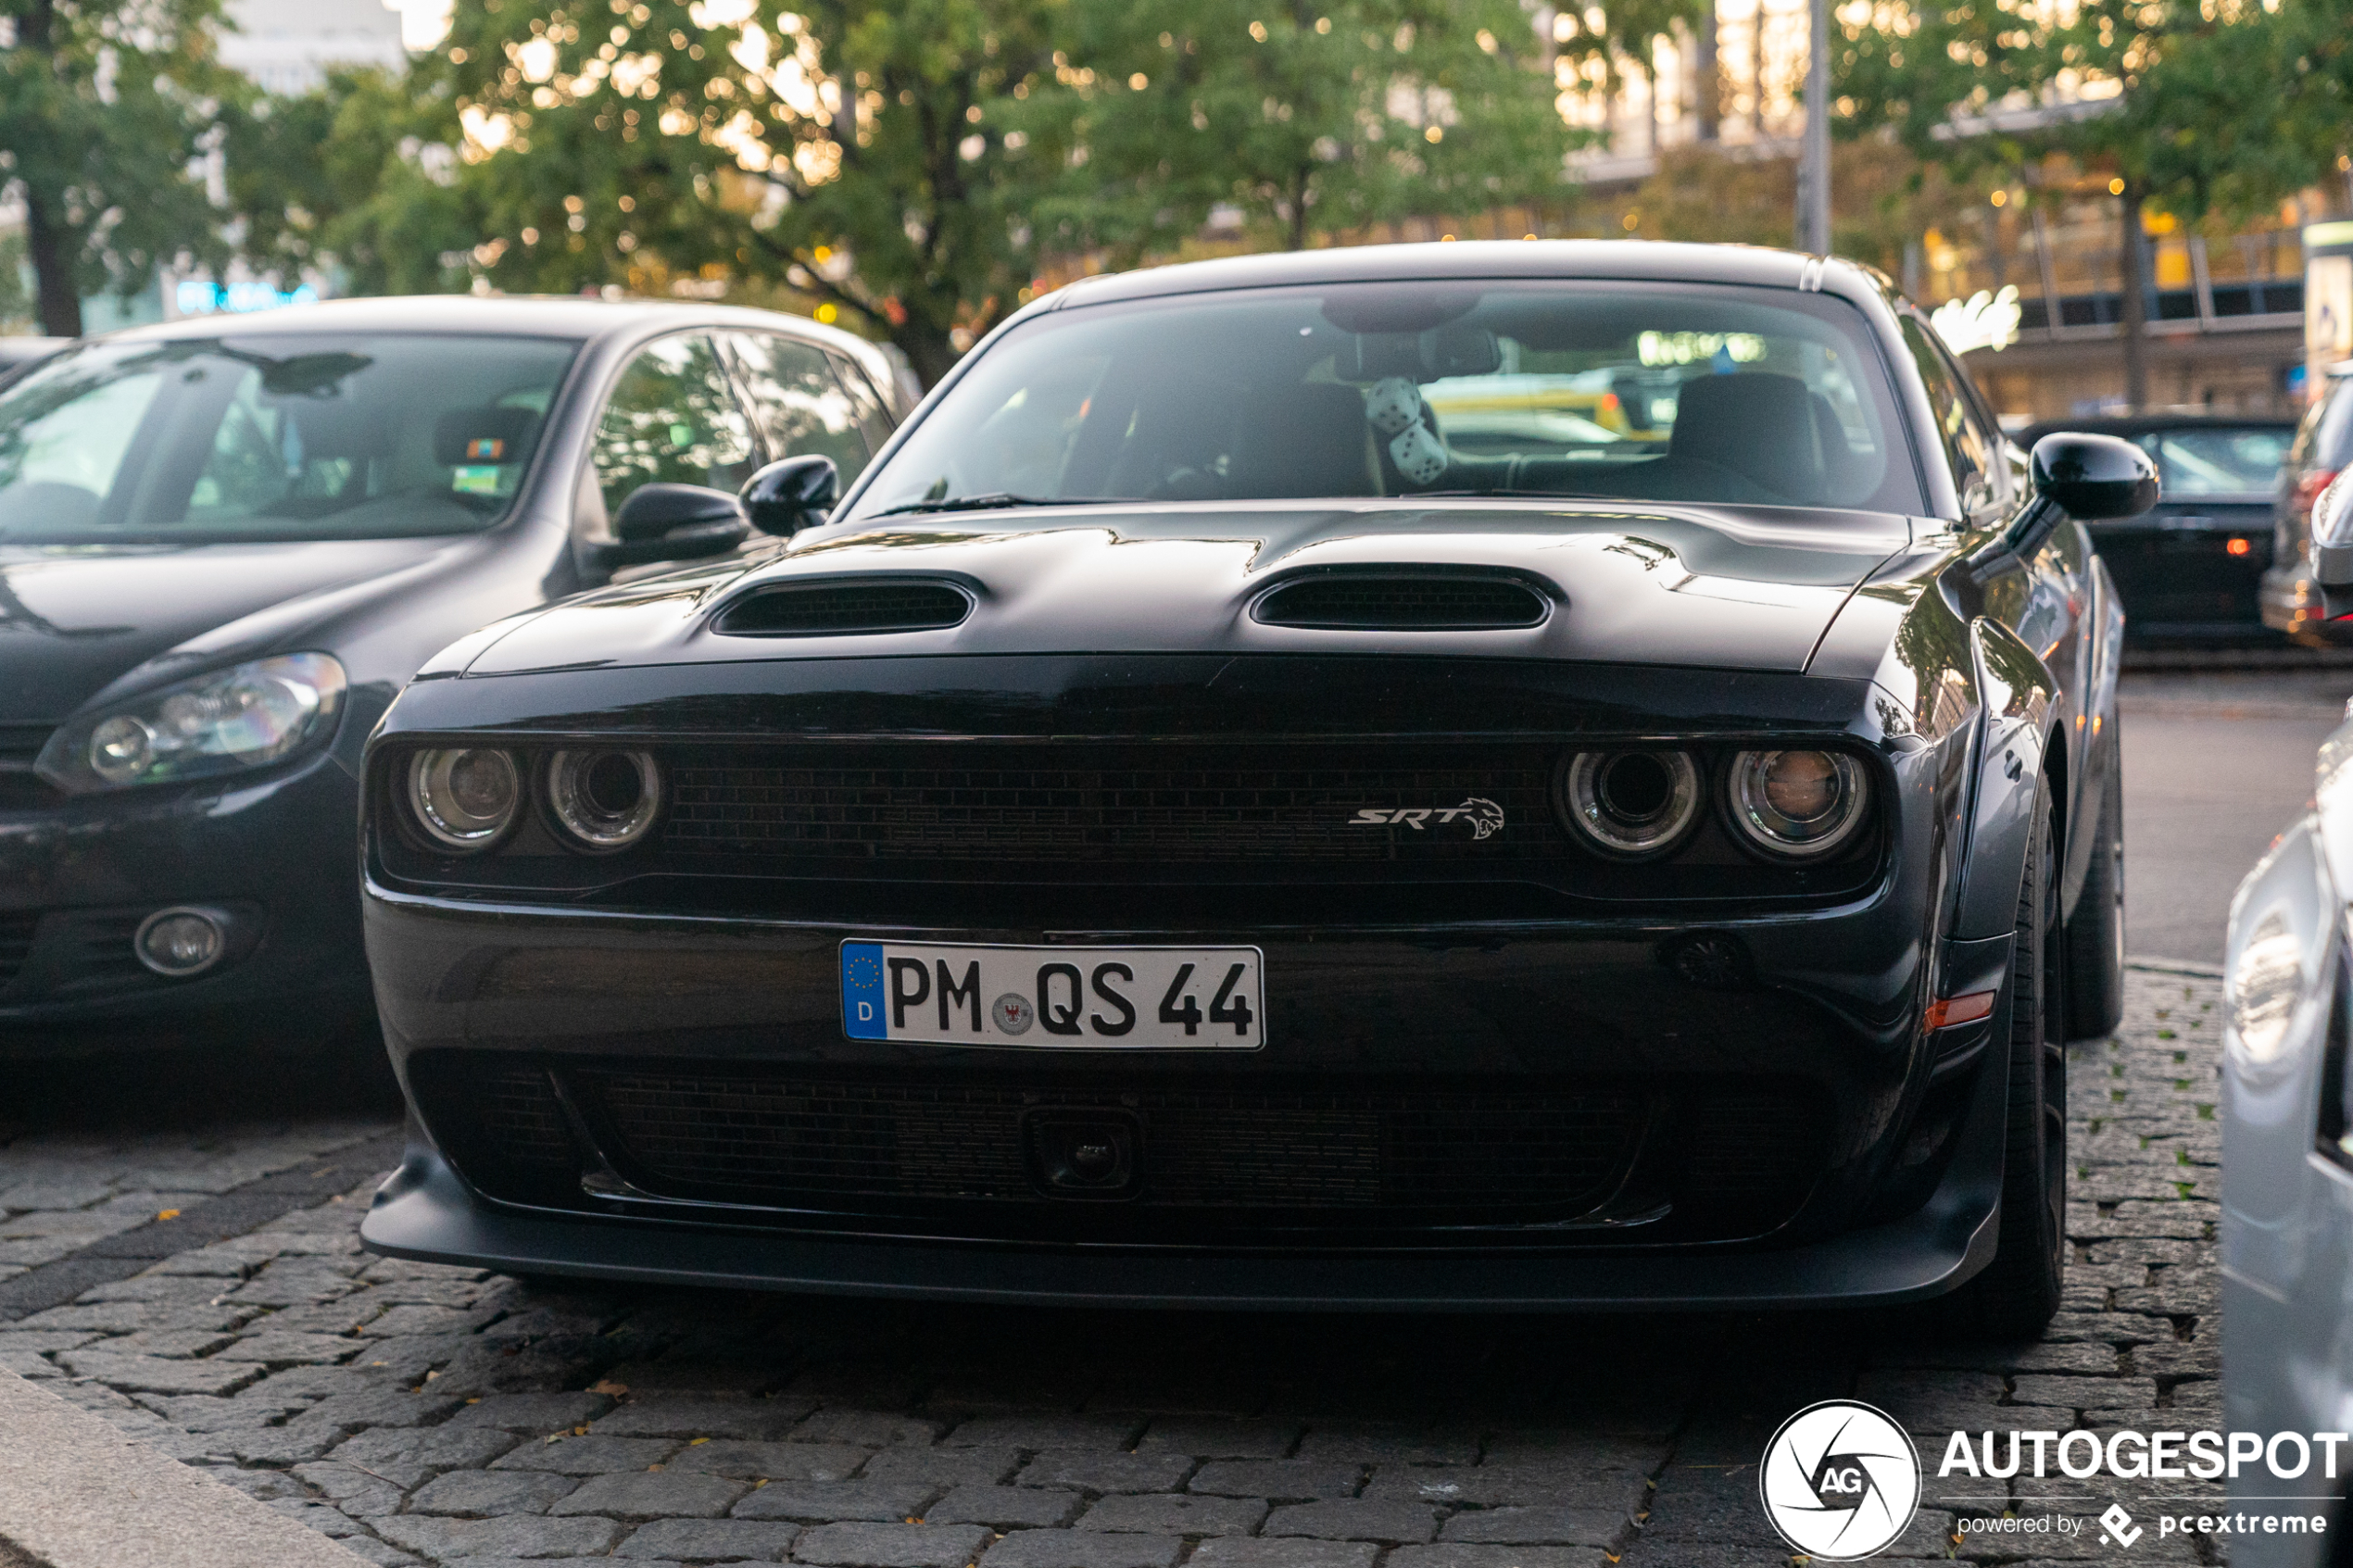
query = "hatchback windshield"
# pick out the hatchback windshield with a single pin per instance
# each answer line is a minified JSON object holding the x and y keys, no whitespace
{"x":273,"y":437}
{"x":1730,"y":395}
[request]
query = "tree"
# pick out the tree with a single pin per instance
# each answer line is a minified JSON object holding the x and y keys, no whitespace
{"x":1308,"y":117}
{"x":1629,"y":30}
{"x":883,"y":157}
{"x":377,"y":198}
{"x":2215,"y":108}
{"x":912,"y":163}
{"x":107,"y":108}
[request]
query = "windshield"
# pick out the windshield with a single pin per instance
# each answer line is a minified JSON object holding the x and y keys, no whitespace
{"x":1673,"y":392}
{"x":273,"y":437}
{"x":2208,"y":461}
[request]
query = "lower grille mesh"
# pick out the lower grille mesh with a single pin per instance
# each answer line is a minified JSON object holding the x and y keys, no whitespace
{"x":1253,"y":1149}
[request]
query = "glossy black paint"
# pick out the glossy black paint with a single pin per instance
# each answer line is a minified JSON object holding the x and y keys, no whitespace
{"x":2093,"y":478}
{"x":90,"y":625}
{"x":787,"y":496}
{"x":1968,"y":661}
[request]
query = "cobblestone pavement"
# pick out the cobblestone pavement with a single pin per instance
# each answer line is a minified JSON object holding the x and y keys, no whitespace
{"x":428,"y":1414}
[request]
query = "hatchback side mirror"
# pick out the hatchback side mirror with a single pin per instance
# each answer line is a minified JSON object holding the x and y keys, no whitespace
{"x":2332,"y":548}
{"x":787,"y":496}
{"x":675,"y":523}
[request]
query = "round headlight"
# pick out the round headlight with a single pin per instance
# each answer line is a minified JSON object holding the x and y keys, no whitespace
{"x":1797,"y":805}
{"x":1631,"y":805}
{"x":120,"y":748}
{"x":604,"y":800}
{"x":465,"y":800}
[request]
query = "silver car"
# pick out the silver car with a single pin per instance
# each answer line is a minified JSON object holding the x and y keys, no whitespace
{"x":2287,"y":1137}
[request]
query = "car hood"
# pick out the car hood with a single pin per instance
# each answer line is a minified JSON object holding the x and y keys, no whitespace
{"x":1738,"y":588}
{"x":74,"y":620}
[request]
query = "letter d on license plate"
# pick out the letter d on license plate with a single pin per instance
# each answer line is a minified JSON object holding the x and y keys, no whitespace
{"x":1079,"y":998}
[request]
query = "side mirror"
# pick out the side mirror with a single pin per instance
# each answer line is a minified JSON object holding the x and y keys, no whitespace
{"x":2093,"y":478}
{"x":675,"y":523}
{"x":787,"y":496}
{"x":2332,"y":548}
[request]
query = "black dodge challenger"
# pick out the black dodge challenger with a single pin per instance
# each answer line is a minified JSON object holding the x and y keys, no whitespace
{"x":1517,"y":776}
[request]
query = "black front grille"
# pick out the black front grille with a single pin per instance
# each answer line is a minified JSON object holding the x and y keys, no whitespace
{"x":833,"y":609}
{"x":20,"y":788}
{"x":1047,"y":803}
{"x":1403,"y":604}
{"x":16,"y":942}
{"x":1229,"y":1149}
{"x":1221,"y":1158}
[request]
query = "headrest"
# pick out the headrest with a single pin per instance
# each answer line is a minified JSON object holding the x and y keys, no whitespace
{"x":466,"y":437}
{"x":1758,"y":424}
{"x":1304,"y":441}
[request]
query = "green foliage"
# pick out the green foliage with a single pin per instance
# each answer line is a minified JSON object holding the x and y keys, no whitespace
{"x":377,"y":196}
{"x":2218,"y":106}
{"x":1308,"y":117}
{"x":107,"y":107}
{"x":916,"y":163}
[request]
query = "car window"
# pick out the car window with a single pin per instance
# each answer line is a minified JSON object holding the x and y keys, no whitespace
{"x":1646,"y":392}
{"x":801,"y":404}
{"x":2332,"y":436}
{"x":1969,"y":446}
{"x":874,"y":418}
{"x":672,"y":418}
{"x":274,"y":436}
{"x":2216,"y":461}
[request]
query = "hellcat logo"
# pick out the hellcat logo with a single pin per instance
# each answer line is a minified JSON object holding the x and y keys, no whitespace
{"x":1484,"y":816}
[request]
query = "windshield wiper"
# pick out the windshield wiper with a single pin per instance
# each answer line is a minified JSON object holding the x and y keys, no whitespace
{"x":1000,"y":501}
{"x":1500,"y":493}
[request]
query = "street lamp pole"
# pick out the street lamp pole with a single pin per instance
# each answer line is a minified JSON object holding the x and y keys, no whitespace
{"x":1814,"y":153}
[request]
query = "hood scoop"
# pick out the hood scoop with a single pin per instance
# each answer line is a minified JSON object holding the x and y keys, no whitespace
{"x":1404,"y":601}
{"x":845,"y":609}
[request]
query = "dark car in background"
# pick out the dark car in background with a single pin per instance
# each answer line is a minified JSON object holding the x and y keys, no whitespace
{"x":225,"y":545}
{"x":1271,"y":792}
{"x":2190,"y":570}
{"x":2322,"y":449}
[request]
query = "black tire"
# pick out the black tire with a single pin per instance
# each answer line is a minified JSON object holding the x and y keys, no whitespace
{"x":2096,"y":936}
{"x":2016,"y":1295}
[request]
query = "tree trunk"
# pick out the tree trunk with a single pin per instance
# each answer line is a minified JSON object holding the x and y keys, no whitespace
{"x":2137,"y":304}
{"x":49,"y":245}
{"x":931,"y":353}
{"x":1711,"y":84}
{"x":1298,"y":209}
{"x":1650,"y":95}
{"x":60,"y":302}
{"x":1757,"y":70}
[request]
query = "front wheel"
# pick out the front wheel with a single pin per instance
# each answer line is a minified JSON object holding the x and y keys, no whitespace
{"x":2018,"y":1293}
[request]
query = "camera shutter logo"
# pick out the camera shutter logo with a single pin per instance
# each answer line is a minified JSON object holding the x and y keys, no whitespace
{"x":1840,"y":1480}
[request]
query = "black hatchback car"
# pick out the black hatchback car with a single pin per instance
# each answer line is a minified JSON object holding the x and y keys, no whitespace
{"x":225,"y":545}
{"x":1260,"y":796}
{"x":2191,"y":569}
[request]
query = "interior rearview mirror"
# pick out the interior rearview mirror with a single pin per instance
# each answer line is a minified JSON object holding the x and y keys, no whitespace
{"x":2093,"y":478}
{"x":664,"y":521}
{"x":787,"y":496}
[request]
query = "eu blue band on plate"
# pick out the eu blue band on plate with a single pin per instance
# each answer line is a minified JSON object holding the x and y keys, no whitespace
{"x":862,"y":991}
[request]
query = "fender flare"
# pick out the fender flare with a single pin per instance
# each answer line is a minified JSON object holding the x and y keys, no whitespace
{"x":2008,"y":786}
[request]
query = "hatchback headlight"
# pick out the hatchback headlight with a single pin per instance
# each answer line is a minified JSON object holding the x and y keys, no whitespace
{"x":1797,"y":805}
{"x":245,"y":717}
{"x":464,"y":799}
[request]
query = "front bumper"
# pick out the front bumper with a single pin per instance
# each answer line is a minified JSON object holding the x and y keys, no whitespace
{"x":78,"y":874}
{"x":709,"y":1018}
{"x":424,"y":1211}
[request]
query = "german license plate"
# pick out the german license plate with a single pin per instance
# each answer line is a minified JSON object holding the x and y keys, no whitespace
{"x":1076,"y":998}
